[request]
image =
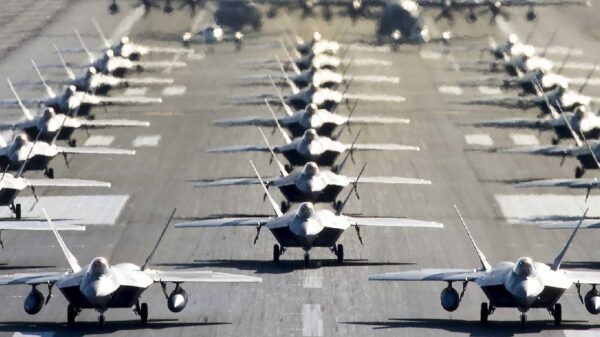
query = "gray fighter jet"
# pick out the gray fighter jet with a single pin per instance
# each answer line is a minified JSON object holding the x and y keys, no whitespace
{"x":321,"y":120}
{"x":60,"y":126}
{"x":101,"y":286}
{"x":310,"y":184}
{"x":307,"y":227}
{"x":37,"y":155}
{"x":523,"y":285}
{"x":314,"y":148}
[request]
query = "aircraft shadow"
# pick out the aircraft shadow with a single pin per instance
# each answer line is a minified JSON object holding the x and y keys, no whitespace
{"x":91,"y":327}
{"x":282,"y":267}
{"x":474,"y":327}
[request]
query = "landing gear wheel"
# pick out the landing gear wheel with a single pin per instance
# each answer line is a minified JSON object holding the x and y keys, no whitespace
{"x":579,"y":171}
{"x":523,"y":321}
{"x":71,"y":314}
{"x":276,"y":253}
{"x":306,"y":259}
{"x":484,"y":314}
{"x":555,"y":141}
{"x":101,"y":321}
{"x":339,"y":252}
{"x":285,"y":206}
{"x":337,"y":205}
{"x":557,"y":313}
{"x":73,"y":142}
{"x":288,"y":168}
{"x":49,"y":173}
{"x":144,"y":313}
{"x":18,"y":211}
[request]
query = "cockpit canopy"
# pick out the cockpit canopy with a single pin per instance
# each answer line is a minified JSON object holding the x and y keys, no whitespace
{"x":99,"y":266}
{"x":306,"y":210}
{"x":310,"y":169}
{"x":524,"y":267}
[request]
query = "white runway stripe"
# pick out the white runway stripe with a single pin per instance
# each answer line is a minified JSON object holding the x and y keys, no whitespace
{"x":34,"y":334}
{"x":312,"y":320}
{"x":71,"y":210}
{"x":175,"y":90}
{"x":533,"y":208}
{"x":430,"y":55}
{"x":479,"y":139}
{"x":146,"y":141}
{"x":450,"y":90}
{"x":524,"y":139}
{"x":135,"y":91}
{"x":99,"y":140}
{"x":489,"y":90}
{"x":581,"y":333}
{"x":127,"y":23}
{"x":376,"y":98}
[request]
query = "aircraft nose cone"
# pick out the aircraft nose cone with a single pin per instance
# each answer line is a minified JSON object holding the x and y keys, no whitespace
{"x":526,"y":293}
{"x":97,"y":292}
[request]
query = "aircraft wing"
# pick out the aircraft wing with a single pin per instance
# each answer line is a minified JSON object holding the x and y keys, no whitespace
{"x":200,"y":276}
{"x":392,"y":222}
{"x":106,"y":123}
{"x":122,"y":100}
{"x":32,"y":278}
{"x":36,"y":225}
{"x":241,"y":148}
{"x":570,"y":183}
{"x":229,"y":182}
{"x":583,"y":276}
{"x":66,"y":183}
{"x":258,"y":121}
{"x":391,"y":180}
{"x":225,"y":222}
{"x":378,"y":120}
{"x":542,"y":150}
{"x":94,"y":150}
{"x":384,"y":147}
{"x":445,"y":275}
{"x":516,"y":123}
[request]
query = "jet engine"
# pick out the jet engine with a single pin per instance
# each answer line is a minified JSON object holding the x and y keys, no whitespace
{"x":33,"y":302}
{"x":450,"y":299}
{"x":592,"y":301}
{"x":177,"y":299}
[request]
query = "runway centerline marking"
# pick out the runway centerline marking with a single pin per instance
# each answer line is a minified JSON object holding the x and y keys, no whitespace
{"x":482,"y":139}
{"x":135,"y":91}
{"x":524,"y":139}
{"x":489,"y":90}
{"x":174,"y":90}
{"x":312,"y":320}
{"x":450,"y":90}
{"x":99,"y":140}
{"x":146,"y":141}
{"x":313,"y":278}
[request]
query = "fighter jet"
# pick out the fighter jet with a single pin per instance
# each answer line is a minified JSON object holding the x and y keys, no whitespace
{"x":59,"y":126}
{"x":37,"y":155}
{"x":101,"y":286}
{"x":310,"y":184}
{"x":523,"y":285}
{"x":307,"y":227}
{"x":494,"y":7}
{"x":314,"y":148}
{"x":582,"y":120}
{"x":71,"y":100}
{"x":321,"y":120}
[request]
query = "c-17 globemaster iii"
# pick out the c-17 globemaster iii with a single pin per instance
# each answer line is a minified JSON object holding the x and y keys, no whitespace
{"x":101,"y":286}
{"x":523,"y":285}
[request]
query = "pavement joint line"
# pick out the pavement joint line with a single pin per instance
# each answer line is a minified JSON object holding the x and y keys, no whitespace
{"x":146,"y":141}
{"x":99,"y":140}
{"x":524,"y":139}
{"x":482,"y":139}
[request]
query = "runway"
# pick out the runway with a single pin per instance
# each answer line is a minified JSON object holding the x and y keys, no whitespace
{"x":325,"y":299}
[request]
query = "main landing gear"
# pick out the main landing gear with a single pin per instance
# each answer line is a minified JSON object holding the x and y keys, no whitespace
{"x":556,"y":312}
{"x":72,"y":313}
{"x":486,"y":311}
{"x":16,"y":209}
{"x":277,"y":252}
{"x":339,"y":252}
{"x":142,"y":311}
{"x":49,"y":172}
{"x":579,"y":171}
